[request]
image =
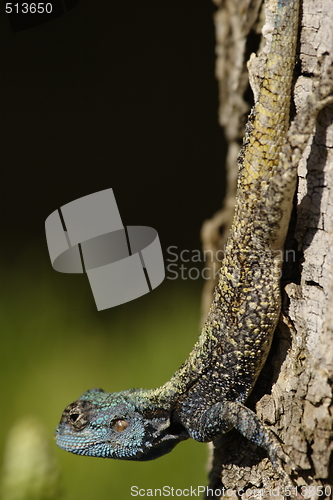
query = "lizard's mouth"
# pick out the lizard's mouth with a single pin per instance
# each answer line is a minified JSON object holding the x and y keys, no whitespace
{"x":81,"y":445}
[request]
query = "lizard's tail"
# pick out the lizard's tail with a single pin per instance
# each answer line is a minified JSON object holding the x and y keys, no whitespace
{"x":260,"y":160}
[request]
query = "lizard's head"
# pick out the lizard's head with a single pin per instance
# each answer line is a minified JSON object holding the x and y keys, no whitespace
{"x":106,"y":425}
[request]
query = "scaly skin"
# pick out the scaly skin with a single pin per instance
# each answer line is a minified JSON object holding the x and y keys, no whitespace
{"x":206,"y":396}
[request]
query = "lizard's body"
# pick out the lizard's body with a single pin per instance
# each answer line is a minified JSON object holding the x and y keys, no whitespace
{"x":205,"y":396}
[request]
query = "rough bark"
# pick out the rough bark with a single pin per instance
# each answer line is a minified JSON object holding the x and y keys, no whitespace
{"x":294,"y":392}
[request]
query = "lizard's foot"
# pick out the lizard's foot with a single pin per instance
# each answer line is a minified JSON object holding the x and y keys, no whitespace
{"x":222,"y":416}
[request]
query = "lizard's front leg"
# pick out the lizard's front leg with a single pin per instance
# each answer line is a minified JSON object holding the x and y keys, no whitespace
{"x":221,"y":417}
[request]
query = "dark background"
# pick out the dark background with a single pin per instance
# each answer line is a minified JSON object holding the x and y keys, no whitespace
{"x":112,"y":94}
{"x":117,"y":94}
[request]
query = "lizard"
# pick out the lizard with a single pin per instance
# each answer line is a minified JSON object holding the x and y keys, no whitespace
{"x":206,"y":396}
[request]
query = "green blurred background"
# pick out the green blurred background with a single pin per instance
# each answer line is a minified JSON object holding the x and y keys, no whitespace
{"x":112,"y":94}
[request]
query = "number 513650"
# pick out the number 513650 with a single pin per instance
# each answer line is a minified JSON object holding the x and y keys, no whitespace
{"x":28,"y":8}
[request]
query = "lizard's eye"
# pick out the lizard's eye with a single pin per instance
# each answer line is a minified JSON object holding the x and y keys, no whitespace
{"x":77,"y":419}
{"x":119,"y":425}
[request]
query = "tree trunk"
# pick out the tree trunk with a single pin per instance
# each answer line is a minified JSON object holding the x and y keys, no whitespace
{"x":293,"y":394}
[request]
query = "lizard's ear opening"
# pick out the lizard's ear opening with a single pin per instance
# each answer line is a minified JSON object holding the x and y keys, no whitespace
{"x":119,"y":425}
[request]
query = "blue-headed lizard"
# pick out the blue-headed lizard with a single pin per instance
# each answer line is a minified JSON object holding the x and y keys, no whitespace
{"x":205,"y":397}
